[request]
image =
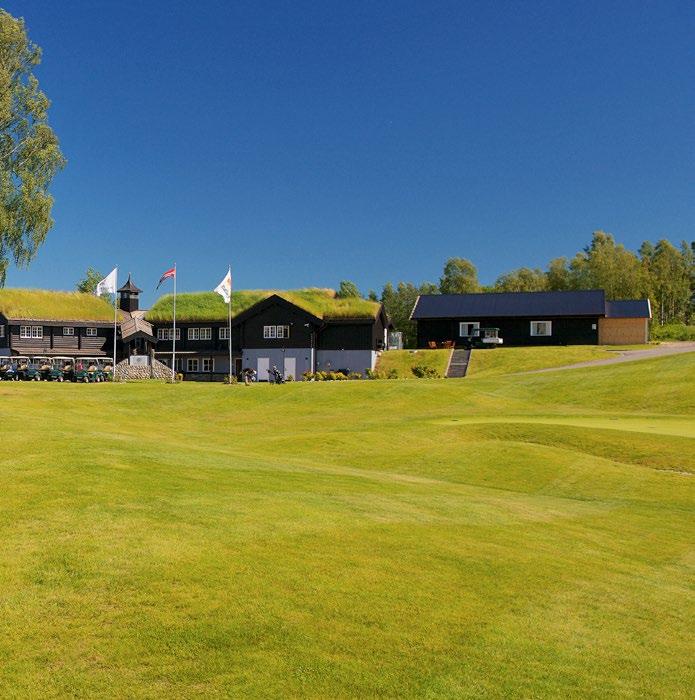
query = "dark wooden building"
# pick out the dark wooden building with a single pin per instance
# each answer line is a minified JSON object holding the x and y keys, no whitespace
{"x":532,"y":318}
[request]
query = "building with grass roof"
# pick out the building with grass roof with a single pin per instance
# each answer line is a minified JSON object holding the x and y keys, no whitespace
{"x":37,"y":322}
{"x":297,"y":331}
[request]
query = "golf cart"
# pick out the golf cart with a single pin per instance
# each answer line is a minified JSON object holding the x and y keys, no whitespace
{"x":86,"y":369}
{"x":484,"y":338}
{"x":104,"y":369}
{"x":7,"y":368}
{"x":43,"y":365}
{"x":62,"y":368}
{"x":19,"y":368}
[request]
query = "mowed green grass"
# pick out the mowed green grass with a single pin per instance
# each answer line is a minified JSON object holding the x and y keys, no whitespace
{"x":403,"y":361}
{"x":513,"y":536}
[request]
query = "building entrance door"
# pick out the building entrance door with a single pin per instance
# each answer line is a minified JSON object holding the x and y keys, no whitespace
{"x":290,"y":367}
{"x":262,"y":369}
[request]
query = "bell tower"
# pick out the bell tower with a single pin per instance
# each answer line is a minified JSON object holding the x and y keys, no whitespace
{"x":129,"y":296}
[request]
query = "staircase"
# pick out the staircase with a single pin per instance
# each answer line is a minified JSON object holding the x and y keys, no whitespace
{"x":458,"y":365}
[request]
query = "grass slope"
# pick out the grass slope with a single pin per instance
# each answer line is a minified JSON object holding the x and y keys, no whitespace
{"x":404,"y":360}
{"x":45,"y":305}
{"x":209,"y":306}
{"x":513,"y":536}
{"x":493,"y":362}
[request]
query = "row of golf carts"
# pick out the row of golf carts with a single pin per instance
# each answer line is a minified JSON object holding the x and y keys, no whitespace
{"x":56,"y":369}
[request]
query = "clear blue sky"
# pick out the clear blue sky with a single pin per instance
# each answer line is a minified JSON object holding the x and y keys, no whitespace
{"x":307,"y":143}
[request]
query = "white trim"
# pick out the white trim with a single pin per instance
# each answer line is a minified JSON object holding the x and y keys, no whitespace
{"x":31,"y":332}
{"x":224,"y":333}
{"x":68,"y":331}
{"x":2,"y":330}
{"x":189,"y":363}
{"x":211,"y":366}
{"x":535,"y":334}
{"x":90,"y":332}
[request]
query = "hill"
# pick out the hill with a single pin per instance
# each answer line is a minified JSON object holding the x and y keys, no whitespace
{"x":512,"y":536}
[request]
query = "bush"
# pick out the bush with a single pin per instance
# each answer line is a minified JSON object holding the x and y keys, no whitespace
{"x":674,"y":331}
{"x":290,"y":378}
{"x":392,"y":373}
{"x":425,"y":372}
{"x":354,"y":375}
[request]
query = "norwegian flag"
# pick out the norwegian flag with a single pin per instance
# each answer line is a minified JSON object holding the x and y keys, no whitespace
{"x":169,"y":273}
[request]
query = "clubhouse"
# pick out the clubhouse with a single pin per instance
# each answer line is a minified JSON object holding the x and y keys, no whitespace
{"x":296,"y":331}
{"x":532,"y":318}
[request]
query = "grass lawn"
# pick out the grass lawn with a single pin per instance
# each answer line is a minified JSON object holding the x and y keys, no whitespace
{"x":512,"y":536}
{"x":404,"y":360}
{"x":492,"y":362}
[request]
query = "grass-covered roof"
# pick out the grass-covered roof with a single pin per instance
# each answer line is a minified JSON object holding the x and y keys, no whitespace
{"x":47,"y":305}
{"x":209,"y":306}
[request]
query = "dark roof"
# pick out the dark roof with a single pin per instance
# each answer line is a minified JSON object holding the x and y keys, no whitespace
{"x":629,"y":308}
{"x":504,"y":304}
{"x":129,"y":287}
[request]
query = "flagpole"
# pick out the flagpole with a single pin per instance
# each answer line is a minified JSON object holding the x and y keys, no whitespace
{"x":115,"y":321}
{"x":173,"y":346}
{"x":230,"y":324}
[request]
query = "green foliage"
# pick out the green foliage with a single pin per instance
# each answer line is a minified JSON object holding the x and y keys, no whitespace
{"x":347,"y":290}
{"x":425,"y":372}
{"x":29,"y":152}
{"x":41,"y":304}
{"x":399,"y":302}
{"x":209,"y":306}
{"x":674,"y":331}
{"x":88,"y":284}
{"x":522,"y":280}
{"x":668,"y":272}
{"x":460,"y":276}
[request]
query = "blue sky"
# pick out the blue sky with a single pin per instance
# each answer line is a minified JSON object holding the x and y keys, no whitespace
{"x":307,"y":143}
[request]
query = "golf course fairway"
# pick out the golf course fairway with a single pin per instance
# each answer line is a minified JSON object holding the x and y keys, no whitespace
{"x":502,"y":536}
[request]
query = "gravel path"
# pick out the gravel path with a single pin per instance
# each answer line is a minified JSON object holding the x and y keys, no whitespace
{"x":626,"y":356}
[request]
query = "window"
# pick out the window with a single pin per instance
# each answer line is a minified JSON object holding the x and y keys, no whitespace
{"x":91,"y":332}
{"x":68,"y":331}
{"x":208,"y":364}
{"x":466,"y":328}
{"x":192,"y":363}
{"x":224,"y":333}
{"x":31,"y":331}
{"x":206,"y":333}
{"x":541,"y":328}
{"x":168,"y":334}
{"x":2,"y":331}
{"x":276,"y":332}
{"x":194,"y":334}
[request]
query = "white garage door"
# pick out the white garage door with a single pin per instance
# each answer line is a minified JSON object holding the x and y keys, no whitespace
{"x":290,"y":367}
{"x":262,"y":369}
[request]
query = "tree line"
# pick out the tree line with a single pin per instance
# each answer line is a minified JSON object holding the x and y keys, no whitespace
{"x":661,"y":272}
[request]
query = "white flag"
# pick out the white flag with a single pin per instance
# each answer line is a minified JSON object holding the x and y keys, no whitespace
{"x":108,"y":284}
{"x":224,"y":288}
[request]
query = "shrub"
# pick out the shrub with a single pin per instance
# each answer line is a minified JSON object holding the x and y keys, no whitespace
{"x":674,"y":331}
{"x":425,"y":372}
{"x":290,"y":378}
{"x":354,"y":375}
{"x":392,"y":373}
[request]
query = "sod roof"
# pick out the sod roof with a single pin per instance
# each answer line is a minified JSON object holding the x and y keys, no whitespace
{"x":209,"y":306}
{"x":46,"y":305}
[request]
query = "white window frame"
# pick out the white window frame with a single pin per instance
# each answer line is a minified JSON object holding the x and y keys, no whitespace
{"x":224,"y":333}
{"x":283,"y":331}
{"x":90,"y":332}
{"x":168,"y":334}
{"x":270,"y":332}
{"x":193,"y":334}
{"x":534,"y":329}
{"x":210,"y":362}
{"x":68,"y":330}
{"x":35,"y":332}
{"x":206,"y":333}
{"x":2,"y":330}
{"x":475,"y":324}
{"x":190,"y":367}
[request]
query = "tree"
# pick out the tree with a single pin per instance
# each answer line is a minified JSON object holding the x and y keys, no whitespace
{"x":669,"y":281}
{"x":524,"y":279}
{"x":88,"y":284}
{"x":399,"y":302}
{"x":347,"y":289}
{"x":558,"y":275}
{"x":29,"y":152}
{"x":460,"y":277}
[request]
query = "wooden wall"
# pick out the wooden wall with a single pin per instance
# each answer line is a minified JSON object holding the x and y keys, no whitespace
{"x":623,"y":331}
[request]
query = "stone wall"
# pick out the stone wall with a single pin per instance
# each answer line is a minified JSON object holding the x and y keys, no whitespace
{"x":125,"y":372}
